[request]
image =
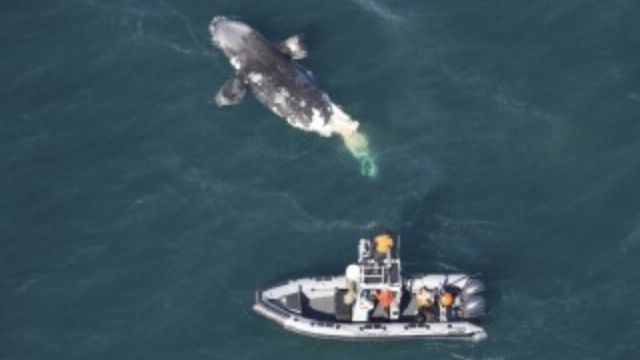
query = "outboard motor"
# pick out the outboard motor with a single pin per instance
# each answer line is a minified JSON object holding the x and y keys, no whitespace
{"x":473,"y":304}
{"x":473,"y":307}
{"x":472,"y":287}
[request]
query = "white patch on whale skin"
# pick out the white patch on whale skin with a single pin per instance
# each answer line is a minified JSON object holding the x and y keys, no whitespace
{"x":284,"y":93}
{"x":281,"y":98}
{"x":318,"y":122}
{"x":293,"y":122}
{"x":278,"y":99}
{"x":342,"y":123}
{"x":338,"y":122}
{"x":297,"y":123}
{"x":235,"y":62}
{"x":255,"y":77}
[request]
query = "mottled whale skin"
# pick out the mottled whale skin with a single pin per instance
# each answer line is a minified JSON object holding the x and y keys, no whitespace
{"x":270,"y":73}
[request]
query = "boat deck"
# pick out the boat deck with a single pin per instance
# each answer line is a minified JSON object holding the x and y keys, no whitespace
{"x":330,"y":306}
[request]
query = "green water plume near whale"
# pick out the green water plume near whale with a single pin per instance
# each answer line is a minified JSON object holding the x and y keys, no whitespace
{"x":356,"y":142}
{"x":358,"y":145}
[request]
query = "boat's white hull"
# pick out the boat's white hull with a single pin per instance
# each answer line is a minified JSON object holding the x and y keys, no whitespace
{"x":269,"y":305}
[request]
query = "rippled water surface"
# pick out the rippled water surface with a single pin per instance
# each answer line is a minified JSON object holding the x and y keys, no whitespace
{"x":137,"y":219}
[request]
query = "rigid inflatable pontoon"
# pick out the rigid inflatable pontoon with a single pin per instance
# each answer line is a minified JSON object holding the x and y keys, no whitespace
{"x":374,"y":300}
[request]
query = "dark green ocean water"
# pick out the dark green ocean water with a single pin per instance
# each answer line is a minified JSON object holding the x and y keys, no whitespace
{"x":137,"y":219}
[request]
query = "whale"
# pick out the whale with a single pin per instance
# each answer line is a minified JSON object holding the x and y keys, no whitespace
{"x":270,"y":71}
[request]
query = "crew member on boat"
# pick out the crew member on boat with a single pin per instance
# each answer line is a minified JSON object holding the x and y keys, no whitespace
{"x":383,"y":244}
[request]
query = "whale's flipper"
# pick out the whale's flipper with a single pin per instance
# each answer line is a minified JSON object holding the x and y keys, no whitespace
{"x":294,"y":47}
{"x":231,"y":93}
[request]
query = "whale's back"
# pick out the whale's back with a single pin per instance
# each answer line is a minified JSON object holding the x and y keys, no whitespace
{"x":283,"y":85}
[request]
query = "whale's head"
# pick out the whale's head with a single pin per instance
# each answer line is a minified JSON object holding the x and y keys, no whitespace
{"x":232,"y":37}
{"x":229,"y":35}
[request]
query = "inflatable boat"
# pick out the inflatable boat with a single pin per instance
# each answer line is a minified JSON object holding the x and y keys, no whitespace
{"x":373,"y":299}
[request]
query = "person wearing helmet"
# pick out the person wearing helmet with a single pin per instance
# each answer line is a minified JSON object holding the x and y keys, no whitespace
{"x":425,"y":304}
{"x":446,"y":299}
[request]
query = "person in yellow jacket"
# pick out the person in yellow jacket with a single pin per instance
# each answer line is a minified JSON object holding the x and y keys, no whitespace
{"x":383,"y":243}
